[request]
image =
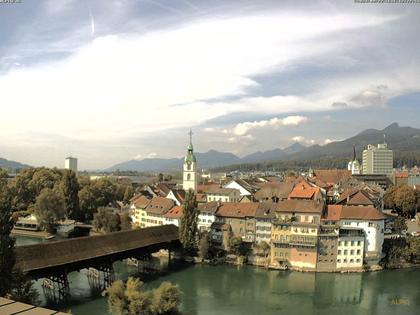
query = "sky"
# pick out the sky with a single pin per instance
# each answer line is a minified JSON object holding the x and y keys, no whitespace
{"x":110,"y":81}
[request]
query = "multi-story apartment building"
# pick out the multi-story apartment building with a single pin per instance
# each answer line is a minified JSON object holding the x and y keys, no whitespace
{"x":370,"y":222}
{"x":378,"y":160}
{"x":263,"y":218}
{"x":328,"y":239}
{"x":240,"y":217}
{"x":295,"y":233}
{"x":153,"y":213}
{"x":207,"y":215}
{"x":137,"y":207}
{"x":350,"y":250}
{"x":223,"y":195}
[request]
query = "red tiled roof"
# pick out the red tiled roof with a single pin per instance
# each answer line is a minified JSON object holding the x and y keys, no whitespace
{"x":141,"y":202}
{"x":201,"y":197}
{"x":304,"y":191}
{"x":296,"y":205}
{"x":280,"y":190}
{"x":333,"y":176}
{"x":175,"y":213}
{"x":209,"y":207}
{"x":159,"y":205}
{"x":203,"y":188}
{"x":361,"y":213}
{"x":333,"y":213}
{"x":237,"y":210}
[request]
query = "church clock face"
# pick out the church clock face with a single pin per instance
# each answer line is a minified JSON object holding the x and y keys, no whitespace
{"x":188,"y":165}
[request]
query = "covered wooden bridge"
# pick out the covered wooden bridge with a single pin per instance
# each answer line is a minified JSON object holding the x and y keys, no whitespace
{"x":56,"y":259}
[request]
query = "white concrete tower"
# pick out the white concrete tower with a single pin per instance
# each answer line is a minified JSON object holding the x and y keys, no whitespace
{"x":190,"y":168}
{"x":71,"y":164}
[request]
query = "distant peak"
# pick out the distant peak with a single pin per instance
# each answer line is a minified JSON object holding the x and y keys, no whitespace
{"x":392,"y":126}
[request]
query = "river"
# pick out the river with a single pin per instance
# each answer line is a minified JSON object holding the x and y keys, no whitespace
{"x":249,"y":290}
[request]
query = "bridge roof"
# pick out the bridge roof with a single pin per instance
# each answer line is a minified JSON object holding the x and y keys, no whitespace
{"x":54,"y":254}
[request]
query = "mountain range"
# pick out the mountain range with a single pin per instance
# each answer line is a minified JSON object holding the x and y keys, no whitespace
{"x":399,"y":139}
{"x":11,"y":165}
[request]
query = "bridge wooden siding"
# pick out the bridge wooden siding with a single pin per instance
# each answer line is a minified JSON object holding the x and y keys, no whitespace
{"x":42,"y":260}
{"x":9,"y":307}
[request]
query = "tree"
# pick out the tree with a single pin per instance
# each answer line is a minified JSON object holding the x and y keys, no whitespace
{"x":49,"y":208}
{"x":13,"y":283}
{"x":88,"y":201}
{"x":166,"y":298}
{"x":105,"y":220}
{"x":188,"y":226}
{"x":399,"y":225}
{"x":204,"y":246}
{"x":130,"y":299}
{"x":7,"y":243}
{"x":406,"y":200}
{"x":265,"y":248}
{"x":237,"y":246}
{"x":70,"y":189}
{"x":128,"y":194}
{"x":126,"y":222}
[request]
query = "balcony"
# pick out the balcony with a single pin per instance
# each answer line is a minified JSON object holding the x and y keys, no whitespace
{"x":303,"y":240}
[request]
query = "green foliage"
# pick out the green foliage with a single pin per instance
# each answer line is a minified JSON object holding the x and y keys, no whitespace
{"x":400,"y":225}
{"x":264,"y":247}
{"x":7,"y":255}
{"x":128,"y":194}
{"x":69,"y":187}
{"x":204,"y":246}
{"x":237,"y":246}
{"x":130,"y":299}
{"x":126,"y":222}
{"x":401,"y":198}
{"x":188,"y":226}
{"x":105,"y":220}
{"x":49,"y":208}
{"x":23,"y":289}
{"x":399,"y":251}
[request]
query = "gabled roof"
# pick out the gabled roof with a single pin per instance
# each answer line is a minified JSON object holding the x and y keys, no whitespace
{"x":355,"y":197}
{"x":201,"y":197}
{"x":333,"y":213}
{"x":175,"y":213}
{"x":265,"y":210}
{"x":331,"y":176}
{"x":237,"y":210}
{"x":159,"y":205}
{"x":179,"y":194}
{"x":209,"y":207}
{"x":222,"y":191}
{"x":301,"y":206}
{"x":280,"y":190}
{"x":203,"y":188}
{"x":141,"y":202}
{"x":304,"y":190}
{"x":361,"y":213}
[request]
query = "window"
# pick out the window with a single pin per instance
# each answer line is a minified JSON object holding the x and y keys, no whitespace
{"x":345,"y":260}
{"x":352,"y":243}
{"x":352,"y":260}
{"x":359,"y":243}
{"x":188,"y":176}
{"x":358,"y":252}
{"x":345,"y":243}
{"x":188,"y":166}
{"x":339,"y":252}
{"x":358,"y":260}
{"x":352,"y":252}
{"x":345,"y":252}
{"x":339,"y":260}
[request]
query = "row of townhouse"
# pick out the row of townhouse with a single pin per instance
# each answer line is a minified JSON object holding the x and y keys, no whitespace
{"x":161,"y":211}
{"x":303,"y":234}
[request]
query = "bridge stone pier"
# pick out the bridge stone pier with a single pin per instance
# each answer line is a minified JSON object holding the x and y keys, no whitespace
{"x":55,"y":260}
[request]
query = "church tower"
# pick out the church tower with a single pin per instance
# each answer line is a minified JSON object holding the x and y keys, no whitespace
{"x":190,"y":168}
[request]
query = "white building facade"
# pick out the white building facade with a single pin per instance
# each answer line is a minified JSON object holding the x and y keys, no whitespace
{"x":70,"y":163}
{"x":378,"y":160}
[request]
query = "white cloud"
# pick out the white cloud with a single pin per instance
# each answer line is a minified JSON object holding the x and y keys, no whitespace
{"x":243,"y":128}
{"x":118,"y":86}
{"x":303,"y":140}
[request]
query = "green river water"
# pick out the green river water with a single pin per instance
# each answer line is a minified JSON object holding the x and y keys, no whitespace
{"x":249,"y":290}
